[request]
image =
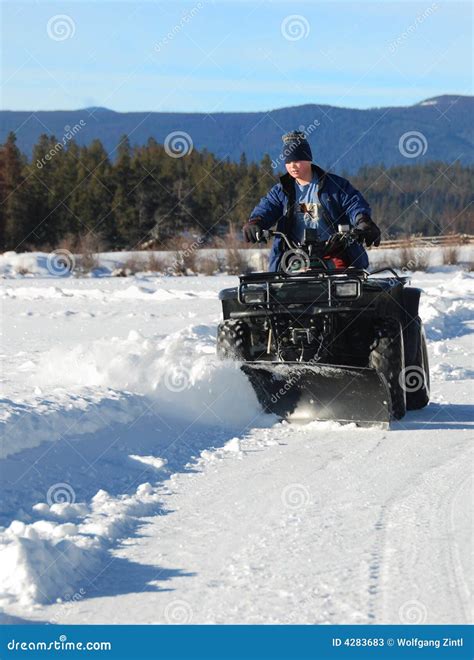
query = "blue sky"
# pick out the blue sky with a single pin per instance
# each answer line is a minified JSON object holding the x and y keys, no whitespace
{"x":219,"y":55}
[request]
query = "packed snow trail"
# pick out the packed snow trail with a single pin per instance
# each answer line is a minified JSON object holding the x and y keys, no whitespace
{"x":141,"y":482}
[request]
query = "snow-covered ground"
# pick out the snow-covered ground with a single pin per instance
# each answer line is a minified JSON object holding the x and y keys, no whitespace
{"x":141,"y":483}
{"x":59,"y":262}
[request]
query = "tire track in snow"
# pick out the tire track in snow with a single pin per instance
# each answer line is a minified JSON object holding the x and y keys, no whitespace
{"x":375,"y":565}
{"x":415,"y":542}
{"x":454,"y":559}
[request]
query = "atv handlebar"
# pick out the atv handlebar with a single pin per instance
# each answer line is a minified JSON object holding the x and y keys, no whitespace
{"x":268,"y":233}
{"x":349,"y":236}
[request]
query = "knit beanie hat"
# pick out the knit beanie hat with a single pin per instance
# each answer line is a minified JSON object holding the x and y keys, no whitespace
{"x":296,"y":147}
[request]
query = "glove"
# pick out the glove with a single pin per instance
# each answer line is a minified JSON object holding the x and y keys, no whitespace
{"x":253,"y":233}
{"x":335,"y":246}
{"x":367,"y":231}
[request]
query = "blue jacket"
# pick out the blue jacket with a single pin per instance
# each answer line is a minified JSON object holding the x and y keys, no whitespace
{"x":341,"y":204}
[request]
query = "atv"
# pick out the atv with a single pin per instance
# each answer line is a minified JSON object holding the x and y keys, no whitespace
{"x":327,"y":343}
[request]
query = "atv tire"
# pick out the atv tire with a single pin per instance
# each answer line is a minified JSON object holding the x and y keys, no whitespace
{"x":417,"y":374}
{"x":233,"y":338}
{"x":388,"y":359}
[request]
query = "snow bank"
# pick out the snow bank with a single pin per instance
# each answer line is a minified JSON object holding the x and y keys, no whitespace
{"x":180,"y":373}
{"x":444,"y":371}
{"x":180,"y":376}
{"x":50,"y":548}
{"x":42,"y":264}
{"x":30,"y":424}
{"x":446,"y":306}
{"x":175,"y":378}
{"x":121,"y":379}
{"x":47,"y":559}
{"x":154,"y":292}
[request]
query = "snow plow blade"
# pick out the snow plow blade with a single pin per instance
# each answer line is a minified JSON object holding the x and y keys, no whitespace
{"x":303,"y":392}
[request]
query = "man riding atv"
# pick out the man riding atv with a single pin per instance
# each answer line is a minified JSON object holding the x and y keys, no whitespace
{"x":309,"y":197}
{"x":319,"y":337}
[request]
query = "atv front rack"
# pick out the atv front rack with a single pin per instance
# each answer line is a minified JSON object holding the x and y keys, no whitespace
{"x":305,"y":289}
{"x":309,"y":311}
{"x":281,"y":276}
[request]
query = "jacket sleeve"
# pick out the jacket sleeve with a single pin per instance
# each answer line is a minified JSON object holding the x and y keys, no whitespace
{"x":352,"y":201}
{"x":269,"y":209}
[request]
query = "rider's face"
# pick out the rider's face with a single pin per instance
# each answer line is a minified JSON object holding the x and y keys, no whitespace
{"x":299,"y":169}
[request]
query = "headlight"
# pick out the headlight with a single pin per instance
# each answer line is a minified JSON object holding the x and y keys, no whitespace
{"x":346,"y":289}
{"x":254,"y":294}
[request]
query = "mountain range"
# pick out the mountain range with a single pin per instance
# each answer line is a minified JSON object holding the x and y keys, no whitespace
{"x":342,"y":139}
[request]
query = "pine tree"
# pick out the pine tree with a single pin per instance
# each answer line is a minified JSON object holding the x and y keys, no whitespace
{"x":124,"y":203}
{"x":52,"y":178}
{"x":16,"y":228}
{"x":91,"y":200}
{"x":147,"y":194}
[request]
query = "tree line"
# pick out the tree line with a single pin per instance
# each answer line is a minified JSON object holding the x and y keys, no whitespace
{"x":146,"y":195}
